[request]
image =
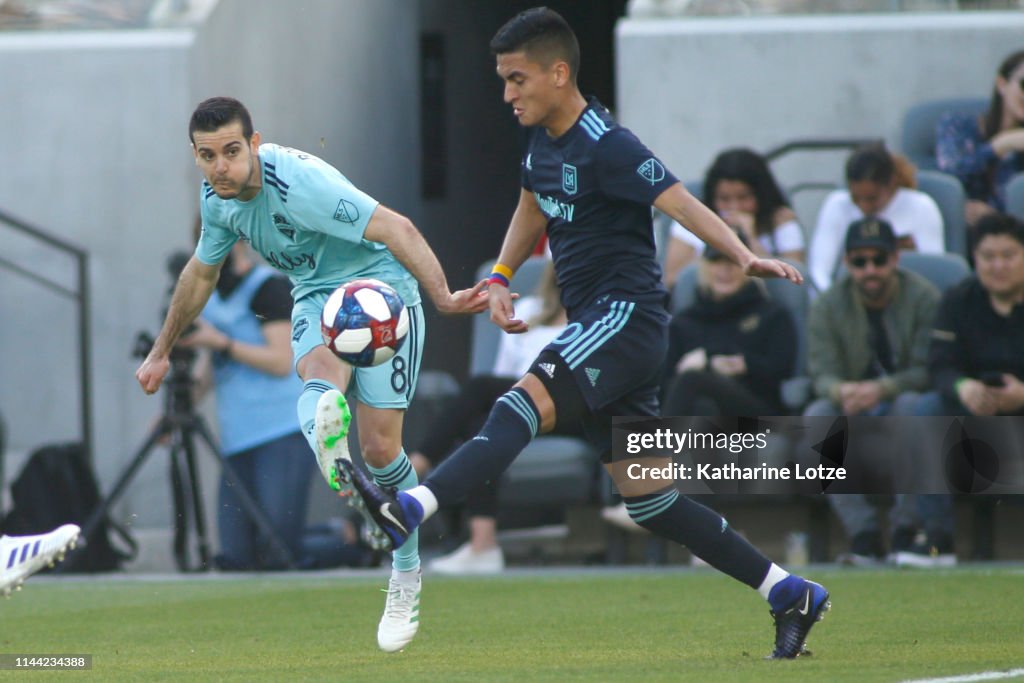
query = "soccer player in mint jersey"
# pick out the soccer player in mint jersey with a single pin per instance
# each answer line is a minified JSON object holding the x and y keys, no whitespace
{"x":590,"y":184}
{"x":308,"y":221}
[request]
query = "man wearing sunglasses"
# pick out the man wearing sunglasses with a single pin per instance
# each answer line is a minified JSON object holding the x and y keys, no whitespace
{"x":867,"y":354}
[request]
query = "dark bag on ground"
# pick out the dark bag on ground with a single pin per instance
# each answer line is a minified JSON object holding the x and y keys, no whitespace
{"x":57,"y":486}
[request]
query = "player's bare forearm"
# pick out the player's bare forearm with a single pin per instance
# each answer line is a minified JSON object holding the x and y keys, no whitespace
{"x":689,"y":212}
{"x":409,"y":246}
{"x":195,"y":285}
{"x":526,"y":227}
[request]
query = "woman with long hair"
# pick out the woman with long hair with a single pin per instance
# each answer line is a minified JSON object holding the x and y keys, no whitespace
{"x":740,"y":188}
{"x":985,"y":151}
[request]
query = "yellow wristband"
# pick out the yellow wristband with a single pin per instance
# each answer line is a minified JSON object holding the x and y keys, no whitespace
{"x":502,"y":270}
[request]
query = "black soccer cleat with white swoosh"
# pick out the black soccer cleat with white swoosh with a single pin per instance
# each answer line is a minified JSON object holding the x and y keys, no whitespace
{"x":381,"y":503}
{"x":794,"y":623}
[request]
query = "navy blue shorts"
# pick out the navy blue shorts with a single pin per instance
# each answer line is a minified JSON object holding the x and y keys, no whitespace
{"x":615,"y":350}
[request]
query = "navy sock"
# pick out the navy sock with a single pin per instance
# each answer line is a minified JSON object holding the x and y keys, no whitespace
{"x":706,"y":533}
{"x":785,"y":592}
{"x":512,"y":424}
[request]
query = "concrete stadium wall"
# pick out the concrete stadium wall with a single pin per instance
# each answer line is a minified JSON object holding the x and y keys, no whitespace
{"x":93,"y":135}
{"x":691,"y":87}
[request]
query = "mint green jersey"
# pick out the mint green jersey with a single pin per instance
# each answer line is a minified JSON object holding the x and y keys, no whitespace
{"x":307,"y":221}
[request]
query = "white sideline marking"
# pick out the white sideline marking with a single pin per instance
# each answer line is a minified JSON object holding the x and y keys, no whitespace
{"x":970,"y":678}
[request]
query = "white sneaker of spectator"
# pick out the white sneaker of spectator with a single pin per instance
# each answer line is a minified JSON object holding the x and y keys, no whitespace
{"x":465,"y":560}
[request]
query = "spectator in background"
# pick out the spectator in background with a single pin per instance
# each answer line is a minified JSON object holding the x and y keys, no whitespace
{"x":977,"y":350}
{"x":976,"y":358}
{"x":740,"y":187}
{"x":467,"y":413}
{"x":247,"y":326}
{"x":985,"y":152}
{"x":879,"y":184}
{"x":730,"y":351}
{"x":867,"y":355}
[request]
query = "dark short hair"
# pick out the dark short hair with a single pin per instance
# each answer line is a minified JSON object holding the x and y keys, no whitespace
{"x":997,"y":224}
{"x":749,"y":167}
{"x":217,"y":112}
{"x":543,"y":35}
{"x":871,"y":162}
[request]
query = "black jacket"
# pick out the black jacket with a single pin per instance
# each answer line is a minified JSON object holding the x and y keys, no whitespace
{"x":970,"y":339}
{"x":747,"y":323}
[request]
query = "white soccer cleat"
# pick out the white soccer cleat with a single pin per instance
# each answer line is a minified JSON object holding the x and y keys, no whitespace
{"x":23,"y":556}
{"x":333,"y":417}
{"x":401,"y":615}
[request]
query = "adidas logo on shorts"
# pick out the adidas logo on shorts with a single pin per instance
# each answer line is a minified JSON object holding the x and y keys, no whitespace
{"x":592,"y":375}
{"x":548,"y":368}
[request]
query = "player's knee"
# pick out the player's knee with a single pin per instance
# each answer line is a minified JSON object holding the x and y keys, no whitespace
{"x":320,"y":363}
{"x":379,"y":449}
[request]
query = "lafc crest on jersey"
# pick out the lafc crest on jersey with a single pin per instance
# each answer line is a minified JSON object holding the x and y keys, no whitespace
{"x":570,"y":181}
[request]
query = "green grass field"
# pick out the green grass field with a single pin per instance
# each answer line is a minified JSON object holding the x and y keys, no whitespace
{"x":586,"y":626}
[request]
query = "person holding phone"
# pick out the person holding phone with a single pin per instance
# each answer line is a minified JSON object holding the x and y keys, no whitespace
{"x":975,"y":360}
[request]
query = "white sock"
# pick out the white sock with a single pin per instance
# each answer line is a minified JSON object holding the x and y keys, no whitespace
{"x":775,"y":574}
{"x":407,"y":578}
{"x":425,"y":497}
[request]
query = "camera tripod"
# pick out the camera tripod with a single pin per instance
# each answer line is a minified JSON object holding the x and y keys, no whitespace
{"x":180,"y":425}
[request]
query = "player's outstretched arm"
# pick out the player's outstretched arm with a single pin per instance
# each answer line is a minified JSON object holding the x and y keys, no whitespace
{"x":411,"y":249}
{"x":195,"y":284}
{"x":689,"y":212}
{"x":526,"y":227}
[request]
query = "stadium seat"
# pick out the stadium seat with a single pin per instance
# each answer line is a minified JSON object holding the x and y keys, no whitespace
{"x":942,"y":270}
{"x":796,"y":299}
{"x":555,"y":470}
{"x":917,"y":139}
{"x":948,"y":193}
{"x":1015,"y":196}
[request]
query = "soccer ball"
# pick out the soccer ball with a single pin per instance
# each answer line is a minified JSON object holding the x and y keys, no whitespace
{"x":364,"y":322}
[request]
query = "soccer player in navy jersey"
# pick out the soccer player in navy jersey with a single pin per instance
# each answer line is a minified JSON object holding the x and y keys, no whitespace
{"x":590,"y":184}
{"x":309,"y":222}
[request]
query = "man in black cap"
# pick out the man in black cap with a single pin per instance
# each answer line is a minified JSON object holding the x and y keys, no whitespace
{"x":867,"y":354}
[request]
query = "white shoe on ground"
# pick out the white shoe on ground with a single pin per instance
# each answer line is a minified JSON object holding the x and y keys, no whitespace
{"x":401,"y":617}
{"x":23,"y":556}
{"x":465,"y":560}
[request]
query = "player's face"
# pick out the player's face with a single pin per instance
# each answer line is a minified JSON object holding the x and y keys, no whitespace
{"x":873,"y":272}
{"x":228,"y":161}
{"x":530,"y":88}
{"x":999,"y":262}
{"x":871,"y":197}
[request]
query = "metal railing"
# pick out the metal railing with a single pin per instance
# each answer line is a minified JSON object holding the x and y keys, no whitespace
{"x":80,"y":294}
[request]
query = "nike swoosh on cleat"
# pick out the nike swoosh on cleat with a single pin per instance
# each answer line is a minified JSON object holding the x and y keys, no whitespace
{"x":807,"y":604}
{"x":385,"y":510}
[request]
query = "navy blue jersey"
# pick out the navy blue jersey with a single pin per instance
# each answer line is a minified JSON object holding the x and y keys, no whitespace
{"x":596,"y":184}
